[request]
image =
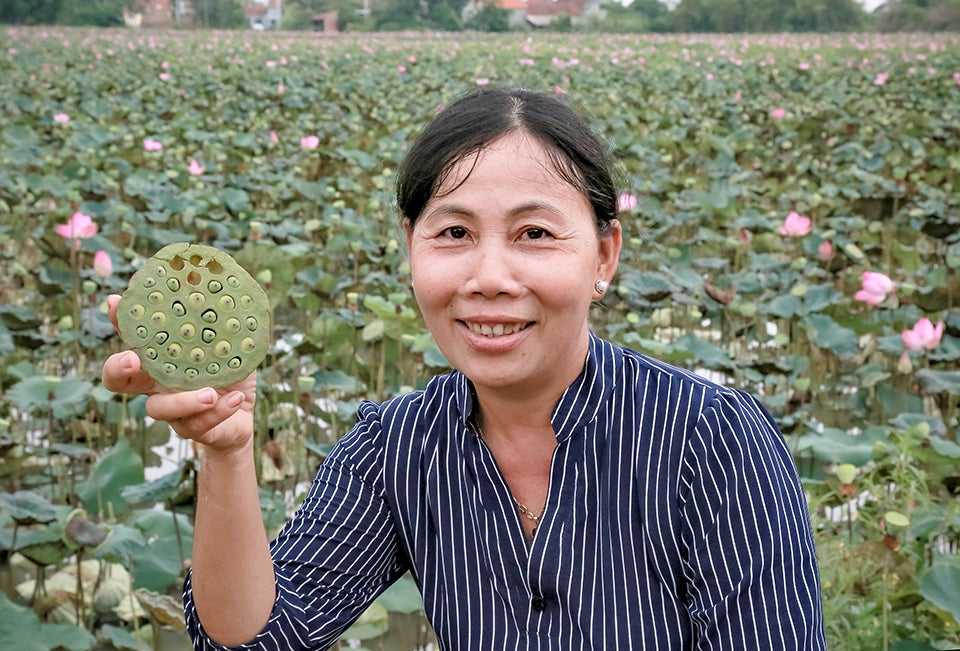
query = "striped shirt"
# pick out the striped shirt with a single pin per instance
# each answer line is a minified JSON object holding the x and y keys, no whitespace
{"x":674,"y":519}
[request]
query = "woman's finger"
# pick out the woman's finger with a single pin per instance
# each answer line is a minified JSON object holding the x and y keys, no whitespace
{"x":113,"y":301}
{"x":122,"y":374}
{"x":194,"y":414}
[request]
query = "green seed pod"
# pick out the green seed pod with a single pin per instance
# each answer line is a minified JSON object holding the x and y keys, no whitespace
{"x":183,"y":291}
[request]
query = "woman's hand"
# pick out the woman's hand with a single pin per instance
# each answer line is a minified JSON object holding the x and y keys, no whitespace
{"x":221,"y":419}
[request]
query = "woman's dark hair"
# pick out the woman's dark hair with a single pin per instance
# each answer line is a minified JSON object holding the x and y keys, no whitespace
{"x":483,"y":116}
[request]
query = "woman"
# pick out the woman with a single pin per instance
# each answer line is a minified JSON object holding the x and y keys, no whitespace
{"x":554,"y":491}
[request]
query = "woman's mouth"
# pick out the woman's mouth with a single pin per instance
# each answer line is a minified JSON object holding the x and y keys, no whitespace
{"x":495,"y":329}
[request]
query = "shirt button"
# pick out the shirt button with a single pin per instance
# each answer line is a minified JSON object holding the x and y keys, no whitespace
{"x":538,"y":604}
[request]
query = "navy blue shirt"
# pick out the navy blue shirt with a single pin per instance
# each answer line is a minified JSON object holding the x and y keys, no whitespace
{"x":674,"y":519}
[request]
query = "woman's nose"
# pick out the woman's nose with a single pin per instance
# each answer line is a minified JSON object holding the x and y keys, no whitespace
{"x":494,"y":271}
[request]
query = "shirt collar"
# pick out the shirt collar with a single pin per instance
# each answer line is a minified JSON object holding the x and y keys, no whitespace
{"x":578,"y":404}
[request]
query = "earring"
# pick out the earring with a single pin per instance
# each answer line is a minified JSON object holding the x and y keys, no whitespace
{"x":601,"y":286}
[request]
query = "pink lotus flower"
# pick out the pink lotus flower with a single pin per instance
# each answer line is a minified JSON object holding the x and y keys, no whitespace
{"x":482,"y":81}
{"x":923,"y":335}
{"x":956,"y":78}
{"x":273,"y":137}
{"x":874,"y":288}
{"x":149,"y":144}
{"x":196,"y":168}
{"x":826,"y":251}
{"x":401,"y":68}
{"x":78,"y":227}
{"x":271,"y":64}
{"x":61,"y":118}
{"x":795,"y":225}
{"x":165,"y":76}
{"x":626,"y":202}
{"x":102,"y":264}
{"x":309,"y":142}
{"x":880,"y":79}
{"x":531,"y":62}
{"x":280,"y":88}
{"x":778,"y":113}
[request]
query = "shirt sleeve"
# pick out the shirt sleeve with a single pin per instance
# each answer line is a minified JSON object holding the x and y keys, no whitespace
{"x":749,"y":560}
{"x":334,"y":557}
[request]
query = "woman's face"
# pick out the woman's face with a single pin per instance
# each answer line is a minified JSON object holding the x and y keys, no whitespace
{"x":504,"y":268}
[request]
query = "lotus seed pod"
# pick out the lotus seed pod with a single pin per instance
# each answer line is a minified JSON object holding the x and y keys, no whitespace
{"x":190,"y":304}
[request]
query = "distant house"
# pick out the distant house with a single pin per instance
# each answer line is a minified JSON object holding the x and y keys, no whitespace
{"x":537,"y":13}
{"x":326,"y":22}
{"x":159,"y":13}
{"x":264,"y":14}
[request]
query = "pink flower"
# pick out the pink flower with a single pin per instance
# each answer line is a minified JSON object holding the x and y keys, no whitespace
{"x":271,"y":64}
{"x":874,"y":288}
{"x":280,"y":88}
{"x":482,"y":81}
{"x":956,"y":78}
{"x":165,"y":76}
{"x":273,"y":137}
{"x":401,"y":68}
{"x":61,"y":118}
{"x":531,"y":62}
{"x":102,"y":264}
{"x":78,"y":227}
{"x":795,"y":225}
{"x":626,"y":202}
{"x":149,"y":144}
{"x":923,"y":335}
{"x":309,"y":142}
{"x":778,"y":113}
{"x":196,"y":168}
{"x":826,"y":251}
{"x":880,"y":79}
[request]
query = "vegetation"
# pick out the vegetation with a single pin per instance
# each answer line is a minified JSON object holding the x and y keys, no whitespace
{"x":638,"y":16}
{"x":793,"y":227}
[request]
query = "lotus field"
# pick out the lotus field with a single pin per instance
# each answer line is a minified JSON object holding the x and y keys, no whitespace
{"x":791,"y":208}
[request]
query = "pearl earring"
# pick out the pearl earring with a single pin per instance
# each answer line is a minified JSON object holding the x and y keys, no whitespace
{"x":601,"y":286}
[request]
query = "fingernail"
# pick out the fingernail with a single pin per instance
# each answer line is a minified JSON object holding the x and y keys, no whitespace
{"x":234,"y":399}
{"x":126,"y":361}
{"x":207,"y":397}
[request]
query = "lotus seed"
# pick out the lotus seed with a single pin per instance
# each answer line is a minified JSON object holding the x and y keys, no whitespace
{"x":175,"y":304}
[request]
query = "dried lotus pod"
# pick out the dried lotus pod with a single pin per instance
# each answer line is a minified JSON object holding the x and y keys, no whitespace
{"x":195,"y":317}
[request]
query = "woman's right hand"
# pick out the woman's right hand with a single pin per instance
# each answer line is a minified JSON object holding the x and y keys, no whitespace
{"x":221,"y":419}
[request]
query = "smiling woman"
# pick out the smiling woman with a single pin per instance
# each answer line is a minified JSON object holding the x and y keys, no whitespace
{"x":554,"y":491}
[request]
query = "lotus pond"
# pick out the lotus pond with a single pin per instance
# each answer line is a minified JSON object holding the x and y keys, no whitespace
{"x":792,"y":216}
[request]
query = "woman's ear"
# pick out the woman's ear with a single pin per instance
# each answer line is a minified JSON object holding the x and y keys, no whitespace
{"x":611,"y":241}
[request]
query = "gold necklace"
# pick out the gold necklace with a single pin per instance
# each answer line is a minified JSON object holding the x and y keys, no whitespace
{"x":520,"y":506}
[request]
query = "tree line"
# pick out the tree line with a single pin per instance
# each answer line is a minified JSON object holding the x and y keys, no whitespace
{"x":639,"y":16}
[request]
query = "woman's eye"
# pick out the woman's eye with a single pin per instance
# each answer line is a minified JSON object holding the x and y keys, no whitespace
{"x":456,"y":232}
{"x":536,"y":233}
